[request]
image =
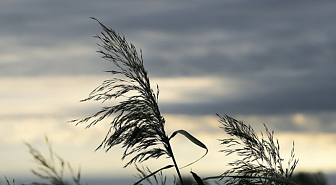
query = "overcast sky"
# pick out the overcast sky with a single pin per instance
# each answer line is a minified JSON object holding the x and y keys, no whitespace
{"x":283,"y":51}
{"x":260,"y":59}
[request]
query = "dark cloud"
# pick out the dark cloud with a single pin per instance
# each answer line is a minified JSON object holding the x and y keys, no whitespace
{"x":261,"y":34}
{"x":287,"y":48}
{"x":283,"y":102}
{"x":274,"y":92}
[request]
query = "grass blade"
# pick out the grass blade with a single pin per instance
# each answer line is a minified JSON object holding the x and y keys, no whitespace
{"x":197,"y":178}
{"x":166,"y":167}
{"x":192,"y":139}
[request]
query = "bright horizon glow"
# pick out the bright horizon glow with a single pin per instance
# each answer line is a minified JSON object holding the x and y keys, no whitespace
{"x":54,"y":105}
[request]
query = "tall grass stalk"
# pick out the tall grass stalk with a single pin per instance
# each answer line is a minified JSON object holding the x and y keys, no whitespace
{"x":144,"y":173}
{"x":137,"y":124}
{"x":260,"y":161}
{"x":48,"y":169}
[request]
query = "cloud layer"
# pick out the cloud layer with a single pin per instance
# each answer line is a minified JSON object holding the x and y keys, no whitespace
{"x":260,"y":61}
{"x":283,"y":53}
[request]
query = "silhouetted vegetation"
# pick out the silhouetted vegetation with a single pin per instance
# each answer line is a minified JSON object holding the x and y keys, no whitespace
{"x":138,"y":124}
{"x":48,"y":169}
{"x":139,"y":127}
{"x":261,"y":162}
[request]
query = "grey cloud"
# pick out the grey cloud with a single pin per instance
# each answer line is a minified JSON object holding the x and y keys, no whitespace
{"x":278,"y":29}
{"x":270,"y":96}
{"x":287,"y":48}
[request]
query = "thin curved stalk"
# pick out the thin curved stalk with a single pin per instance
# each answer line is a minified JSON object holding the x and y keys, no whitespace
{"x":175,"y":163}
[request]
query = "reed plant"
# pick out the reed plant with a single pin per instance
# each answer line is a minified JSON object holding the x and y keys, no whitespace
{"x":48,"y":168}
{"x":259,"y":158}
{"x":138,"y":124}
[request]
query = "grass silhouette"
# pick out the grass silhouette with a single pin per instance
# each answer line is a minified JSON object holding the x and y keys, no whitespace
{"x":138,"y":124}
{"x":139,"y":127}
{"x":48,"y":169}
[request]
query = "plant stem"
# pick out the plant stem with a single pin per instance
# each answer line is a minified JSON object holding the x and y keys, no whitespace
{"x":174,"y":161}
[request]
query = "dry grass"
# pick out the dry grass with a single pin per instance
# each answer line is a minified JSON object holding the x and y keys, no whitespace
{"x":48,"y":168}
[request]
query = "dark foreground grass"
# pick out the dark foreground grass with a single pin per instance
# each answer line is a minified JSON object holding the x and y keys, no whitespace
{"x":139,"y":127}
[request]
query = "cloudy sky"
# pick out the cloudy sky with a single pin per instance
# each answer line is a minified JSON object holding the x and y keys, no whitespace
{"x":259,"y":61}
